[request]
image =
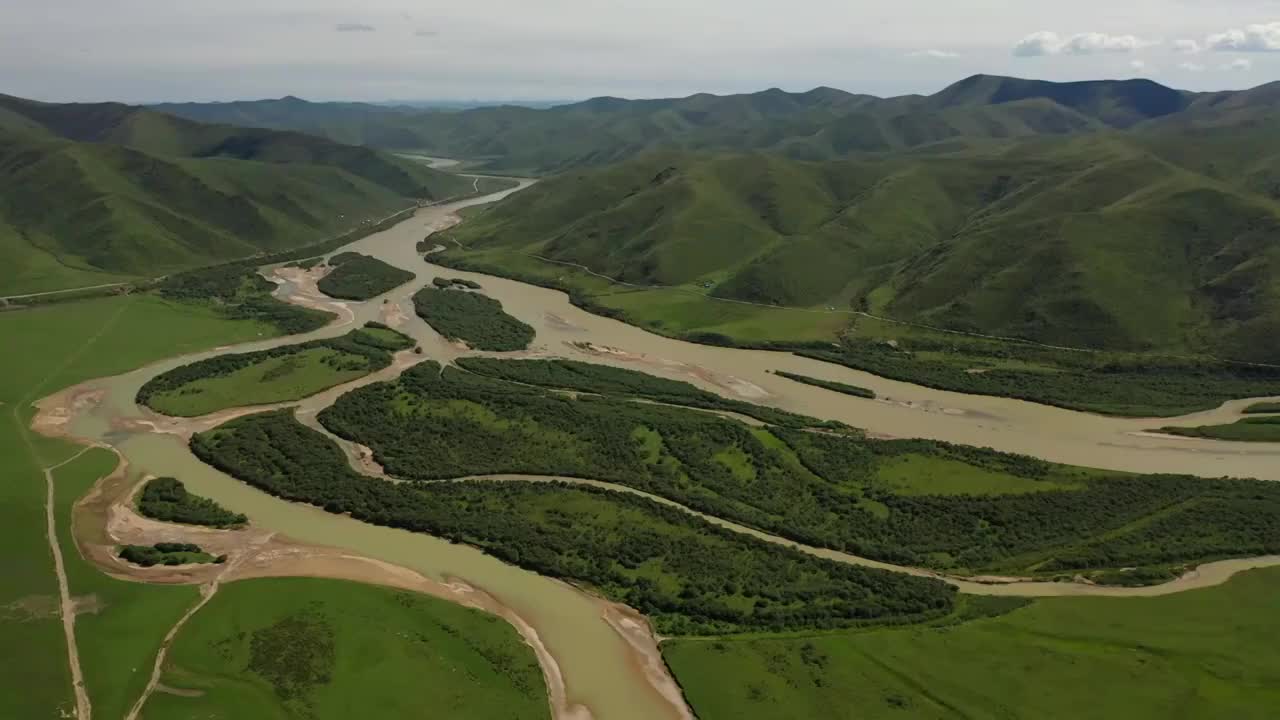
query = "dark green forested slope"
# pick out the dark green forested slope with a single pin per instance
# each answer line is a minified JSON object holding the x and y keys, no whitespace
{"x":98,"y":193}
{"x":1131,"y":242}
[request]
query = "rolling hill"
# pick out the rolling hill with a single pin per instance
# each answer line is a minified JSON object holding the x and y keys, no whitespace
{"x":820,"y":124}
{"x":1102,"y":240}
{"x":98,"y":193}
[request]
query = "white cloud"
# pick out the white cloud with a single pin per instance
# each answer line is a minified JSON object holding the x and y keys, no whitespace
{"x":1037,"y":44}
{"x":1091,"y":43}
{"x":353,"y":27}
{"x":1186,"y":47}
{"x":1242,"y":64}
{"x":1138,"y":65}
{"x":931,"y":53}
{"x":1191,"y":67}
{"x":1253,"y":38}
{"x":426,"y":33}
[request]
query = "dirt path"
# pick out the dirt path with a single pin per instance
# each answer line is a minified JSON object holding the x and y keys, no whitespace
{"x":84,"y":709}
{"x":206,"y":594}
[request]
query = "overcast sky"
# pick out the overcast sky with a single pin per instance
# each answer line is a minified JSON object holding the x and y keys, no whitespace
{"x":148,"y":50}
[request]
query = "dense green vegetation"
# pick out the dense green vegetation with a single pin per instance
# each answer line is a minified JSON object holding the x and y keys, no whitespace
{"x":601,"y":379}
{"x":360,"y":277}
{"x":454,"y":283}
{"x":1201,"y":654}
{"x":238,"y":292}
{"x":330,"y":650}
{"x":1254,"y":429}
{"x":477,"y":320}
{"x":167,"y":499}
{"x":167,"y":554}
{"x":280,"y":374}
{"x":100,"y":193}
{"x":689,"y":576}
{"x":62,"y":345}
{"x":1263,"y":407}
{"x":839,"y":387}
{"x":909,"y":502}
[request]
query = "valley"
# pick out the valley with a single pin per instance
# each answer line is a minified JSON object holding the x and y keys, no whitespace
{"x":603,"y":656}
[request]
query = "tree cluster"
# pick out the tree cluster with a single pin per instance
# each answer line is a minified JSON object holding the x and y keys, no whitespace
{"x":687,"y":574}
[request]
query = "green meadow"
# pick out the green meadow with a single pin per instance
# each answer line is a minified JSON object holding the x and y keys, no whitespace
{"x":1203,"y":654}
{"x":328,"y":649}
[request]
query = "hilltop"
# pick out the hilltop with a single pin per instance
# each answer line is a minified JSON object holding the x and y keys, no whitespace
{"x":96,"y":193}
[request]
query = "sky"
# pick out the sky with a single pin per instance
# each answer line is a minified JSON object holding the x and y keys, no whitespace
{"x":151,"y":51}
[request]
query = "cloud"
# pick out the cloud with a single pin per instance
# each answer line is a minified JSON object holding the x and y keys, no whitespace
{"x":425,"y":33}
{"x":1186,"y":47}
{"x":354,"y":27}
{"x":1038,"y":44}
{"x":1138,"y":65}
{"x":939,"y":54}
{"x":1253,"y":38}
{"x":1090,"y":43}
{"x":1191,"y":67}
{"x":1241,"y":64}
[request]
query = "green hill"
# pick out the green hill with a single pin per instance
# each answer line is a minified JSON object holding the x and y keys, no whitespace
{"x":93,"y":194}
{"x":1103,"y":240}
{"x":820,"y":124}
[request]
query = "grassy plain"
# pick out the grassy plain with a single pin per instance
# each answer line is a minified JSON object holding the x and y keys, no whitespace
{"x":321,"y":649}
{"x":1198,"y":655}
{"x":281,"y":374}
{"x":62,"y":345}
{"x":277,"y":379}
{"x":1263,"y":407}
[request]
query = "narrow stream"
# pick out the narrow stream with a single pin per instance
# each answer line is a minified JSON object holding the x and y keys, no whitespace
{"x":601,"y":674}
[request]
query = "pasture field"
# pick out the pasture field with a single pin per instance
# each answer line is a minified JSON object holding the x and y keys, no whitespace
{"x":321,"y":649}
{"x":1201,"y":654}
{"x":280,"y":374}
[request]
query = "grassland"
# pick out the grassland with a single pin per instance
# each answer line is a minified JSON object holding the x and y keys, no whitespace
{"x":1254,"y":429}
{"x":121,"y":624}
{"x":477,"y":320}
{"x":62,"y":345}
{"x":1202,"y":654}
{"x":914,"y":502}
{"x":360,"y":277}
{"x":1263,"y":407}
{"x":281,"y":374}
{"x":319,"y":649}
{"x":843,"y":388}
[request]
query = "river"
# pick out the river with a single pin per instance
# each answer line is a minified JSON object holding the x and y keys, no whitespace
{"x":601,"y":671}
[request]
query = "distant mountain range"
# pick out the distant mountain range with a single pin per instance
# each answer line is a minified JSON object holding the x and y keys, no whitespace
{"x":820,"y":124}
{"x":93,"y":193}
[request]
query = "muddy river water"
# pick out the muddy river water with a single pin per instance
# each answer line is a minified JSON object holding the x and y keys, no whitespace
{"x":604,"y":677}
